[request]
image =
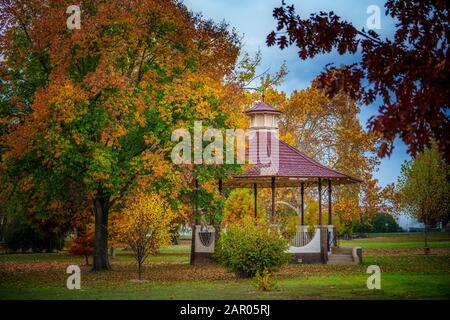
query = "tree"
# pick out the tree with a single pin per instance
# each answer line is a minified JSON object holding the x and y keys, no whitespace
{"x":383,"y":222}
{"x":409,"y":73}
{"x":379,"y":222}
{"x":424,"y":188}
{"x":145,"y":226}
{"x":83,"y":245}
{"x":99,"y":111}
{"x":240,"y":208}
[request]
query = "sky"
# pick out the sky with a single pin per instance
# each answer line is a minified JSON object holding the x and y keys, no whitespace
{"x":253,"y":20}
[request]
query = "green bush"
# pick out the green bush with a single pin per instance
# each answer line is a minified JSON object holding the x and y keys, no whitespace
{"x":246,"y":250}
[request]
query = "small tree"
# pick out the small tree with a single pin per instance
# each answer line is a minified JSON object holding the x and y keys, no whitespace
{"x":146,"y":226}
{"x":83,"y":245}
{"x":424,"y":188}
{"x":240,"y":208}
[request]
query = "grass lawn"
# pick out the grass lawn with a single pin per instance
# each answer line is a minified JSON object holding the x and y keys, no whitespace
{"x":406,"y":274}
{"x":398,"y":241}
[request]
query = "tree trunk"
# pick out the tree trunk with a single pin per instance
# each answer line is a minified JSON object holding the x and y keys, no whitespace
{"x":86,"y":259}
{"x":140,"y":270}
{"x":192,"y":262}
{"x":101,"y":210}
{"x":426,"y":249}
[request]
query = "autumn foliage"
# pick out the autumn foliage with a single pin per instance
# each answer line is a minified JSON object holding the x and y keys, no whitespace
{"x":89,"y":112}
{"x":408,"y":74}
{"x":87,"y":116}
{"x":423,"y":188}
{"x":83,"y":245}
{"x":240,"y":209}
{"x":144,"y":226}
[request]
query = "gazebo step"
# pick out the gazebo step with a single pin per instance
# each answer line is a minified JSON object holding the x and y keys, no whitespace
{"x":341,"y":250}
{"x":341,"y":259}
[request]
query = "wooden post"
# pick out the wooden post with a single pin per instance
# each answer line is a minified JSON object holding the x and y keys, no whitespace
{"x":302,"y":207}
{"x":273,"y":199}
{"x":195,"y":224}
{"x":320,"y":202}
{"x":255,"y":192}
{"x":196,"y":199}
{"x":330,"y":217}
{"x":323,"y":244}
{"x":211,"y":216}
{"x":217,"y":226}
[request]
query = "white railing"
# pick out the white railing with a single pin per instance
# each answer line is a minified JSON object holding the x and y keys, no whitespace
{"x":303,"y":243}
{"x":313,"y":246}
{"x":301,"y":237}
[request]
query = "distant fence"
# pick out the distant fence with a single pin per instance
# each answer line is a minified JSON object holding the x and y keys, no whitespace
{"x":388,"y":234}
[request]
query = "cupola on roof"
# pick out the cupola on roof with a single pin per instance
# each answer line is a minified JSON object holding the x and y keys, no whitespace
{"x":292,"y":165}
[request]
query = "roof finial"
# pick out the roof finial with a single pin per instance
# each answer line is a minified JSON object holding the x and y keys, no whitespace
{"x":262,"y":95}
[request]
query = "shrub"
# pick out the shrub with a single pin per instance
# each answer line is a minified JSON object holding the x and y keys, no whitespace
{"x":263,"y":281}
{"x":83,"y":245}
{"x":247,"y":249}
